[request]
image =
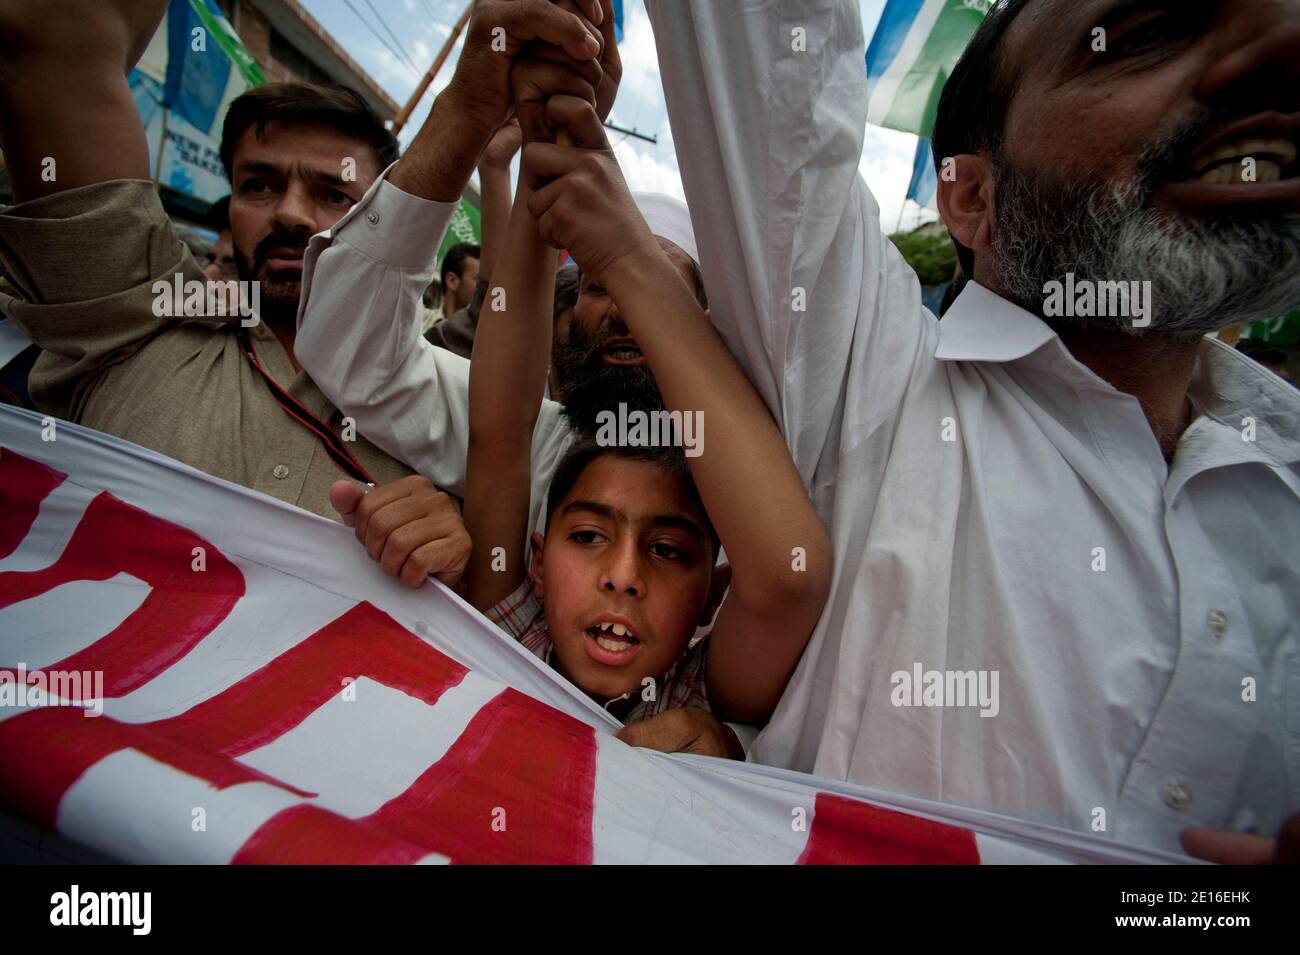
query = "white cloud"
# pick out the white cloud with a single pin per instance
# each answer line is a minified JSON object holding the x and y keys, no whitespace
{"x":640,"y":87}
{"x":886,"y":165}
{"x":647,"y":167}
{"x":644,"y":172}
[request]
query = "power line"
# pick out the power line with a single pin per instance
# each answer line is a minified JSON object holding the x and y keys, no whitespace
{"x":398,"y":43}
{"x":370,"y":26}
{"x":632,"y":132}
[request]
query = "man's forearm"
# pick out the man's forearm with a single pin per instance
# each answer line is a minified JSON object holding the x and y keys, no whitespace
{"x":444,"y":153}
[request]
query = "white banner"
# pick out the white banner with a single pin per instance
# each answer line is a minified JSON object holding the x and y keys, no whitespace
{"x":193,"y":672}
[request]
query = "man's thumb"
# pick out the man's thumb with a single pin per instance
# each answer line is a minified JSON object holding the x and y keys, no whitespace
{"x":344,"y":496}
{"x":1227,"y":848}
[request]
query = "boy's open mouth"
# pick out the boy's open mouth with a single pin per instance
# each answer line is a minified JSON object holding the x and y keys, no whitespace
{"x":611,"y":643}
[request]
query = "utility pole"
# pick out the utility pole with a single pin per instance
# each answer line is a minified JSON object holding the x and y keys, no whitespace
{"x":411,"y":103}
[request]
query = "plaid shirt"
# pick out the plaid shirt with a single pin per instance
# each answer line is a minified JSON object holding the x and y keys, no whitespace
{"x":521,"y":616}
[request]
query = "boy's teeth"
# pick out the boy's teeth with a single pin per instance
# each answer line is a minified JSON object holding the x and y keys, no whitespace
{"x":615,"y":645}
{"x":615,"y":628}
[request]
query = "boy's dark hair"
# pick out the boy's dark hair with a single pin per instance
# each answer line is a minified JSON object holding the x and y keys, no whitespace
{"x":586,"y":450}
{"x":973,"y":106}
{"x":455,"y":258}
{"x":339,"y":107}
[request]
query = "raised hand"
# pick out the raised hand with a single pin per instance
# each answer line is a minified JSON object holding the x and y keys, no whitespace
{"x":499,"y":31}
{"x":543,"y":71}
{"x":468,"y":113}
{"x":580,"y":200}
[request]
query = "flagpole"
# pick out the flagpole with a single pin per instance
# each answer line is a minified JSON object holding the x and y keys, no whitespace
{"x":411,"y":103}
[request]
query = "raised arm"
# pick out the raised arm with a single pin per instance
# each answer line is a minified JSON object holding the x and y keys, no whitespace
{"x":494,"y":185}
{"x":358,"y":321}
{"x":779,"y":552}
{"x":768,"y":104}
{"x":64,"y":93}
{"x":512,"y":350}
{"x":76,"y":153}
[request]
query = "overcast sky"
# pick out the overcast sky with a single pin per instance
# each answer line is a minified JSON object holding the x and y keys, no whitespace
{"x":420,"y":27}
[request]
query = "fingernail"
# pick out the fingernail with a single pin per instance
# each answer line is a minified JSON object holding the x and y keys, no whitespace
{"x":593,"y":45}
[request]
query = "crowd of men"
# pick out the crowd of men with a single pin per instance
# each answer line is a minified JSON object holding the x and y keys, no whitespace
{"x":1092,"y":510}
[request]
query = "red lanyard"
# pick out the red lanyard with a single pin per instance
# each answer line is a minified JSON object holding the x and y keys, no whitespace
{"x":334,"y":445}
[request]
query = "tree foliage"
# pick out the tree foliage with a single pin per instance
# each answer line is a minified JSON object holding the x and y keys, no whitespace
{"x":932,"y":257}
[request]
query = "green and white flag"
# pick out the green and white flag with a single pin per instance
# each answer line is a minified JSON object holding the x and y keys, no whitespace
{"x":916,"y":45}
{"x":194,"y":67}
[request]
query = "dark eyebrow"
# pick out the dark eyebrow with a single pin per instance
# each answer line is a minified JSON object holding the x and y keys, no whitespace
{"x":261,"y":167}
{"x":595,"y":507}
{"x":258,"y":166}
{"x":1108,"y":15}
{"x":1121,"y":10}
{"x":679,"y":521}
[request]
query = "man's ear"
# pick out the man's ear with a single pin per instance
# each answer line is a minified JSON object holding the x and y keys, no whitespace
{"x":535,"y":567}
{"x":450,"y":283}
{"x":965,"y":199}
{"x":717,"y":590}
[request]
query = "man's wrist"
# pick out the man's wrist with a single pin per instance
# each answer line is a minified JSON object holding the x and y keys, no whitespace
{"x":439,"y":162}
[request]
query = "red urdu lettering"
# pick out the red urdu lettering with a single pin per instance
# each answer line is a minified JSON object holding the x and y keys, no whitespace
{"x":848,"y":832}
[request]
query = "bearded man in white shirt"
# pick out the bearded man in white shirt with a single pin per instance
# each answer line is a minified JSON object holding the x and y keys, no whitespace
{"x":1065,"y":521}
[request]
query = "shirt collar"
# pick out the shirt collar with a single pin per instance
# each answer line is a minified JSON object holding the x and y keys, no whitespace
{"x":1231,"y":388}
{"x":983,"y":326}
{"x":1235,"y":390}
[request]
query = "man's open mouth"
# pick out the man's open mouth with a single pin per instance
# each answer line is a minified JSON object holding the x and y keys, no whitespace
{"x":621,"y":351}
{"x":1247,"y":160}
{"x":1247,"y":167}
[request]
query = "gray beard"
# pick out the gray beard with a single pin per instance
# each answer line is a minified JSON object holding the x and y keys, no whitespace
{"x":1205,"y":274}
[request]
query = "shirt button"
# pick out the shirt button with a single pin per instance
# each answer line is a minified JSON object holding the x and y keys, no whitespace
{"x":1177,"y":795}
{"x":372,"y":218}
{"x":1217,"y":621}
{"x":280,"y":471}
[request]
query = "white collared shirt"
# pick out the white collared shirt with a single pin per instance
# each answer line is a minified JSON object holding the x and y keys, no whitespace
{"x":360,"y":339}
{"x":976,"y":480}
